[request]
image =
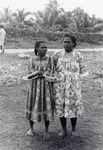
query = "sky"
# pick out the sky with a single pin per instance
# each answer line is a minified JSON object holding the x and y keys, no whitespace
{"x":92,"y":7}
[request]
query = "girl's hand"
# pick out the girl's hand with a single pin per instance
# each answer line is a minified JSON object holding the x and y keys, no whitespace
{"x":33,"y":75}
{"x":40,"y":73}
{"x":85,"y":74}
{"x":50,"y":79}
{"x":25,"y":78}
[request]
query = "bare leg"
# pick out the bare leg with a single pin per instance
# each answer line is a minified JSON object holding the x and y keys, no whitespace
{"x":73,"y":123}
{"x":30,"y":132}
{"x":63,"y":123}
{"x":2,"y":48}
{"x":46,"y":134}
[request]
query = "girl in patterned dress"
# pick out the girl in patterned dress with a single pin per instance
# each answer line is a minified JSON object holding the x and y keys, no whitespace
{"x":40,"y":103}
{"x":69,"y":67}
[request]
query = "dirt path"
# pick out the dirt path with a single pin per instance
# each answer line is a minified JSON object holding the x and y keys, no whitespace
{"x":13,"y":124}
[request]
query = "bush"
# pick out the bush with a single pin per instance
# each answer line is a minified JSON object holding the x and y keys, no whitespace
{"x":51,"y":36}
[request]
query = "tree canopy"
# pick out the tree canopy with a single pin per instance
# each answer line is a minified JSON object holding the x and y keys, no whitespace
{"x":52,"y":18}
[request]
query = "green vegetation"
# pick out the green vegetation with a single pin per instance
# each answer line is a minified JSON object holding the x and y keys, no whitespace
{"x":13,"y":95}
{"x":50,"y":24}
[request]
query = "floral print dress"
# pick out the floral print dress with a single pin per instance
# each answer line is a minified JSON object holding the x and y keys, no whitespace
{"x":40,"y":104}
{"x":68,"y":68}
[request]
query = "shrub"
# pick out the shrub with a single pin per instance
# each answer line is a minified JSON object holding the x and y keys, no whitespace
{"x":50,"y":35}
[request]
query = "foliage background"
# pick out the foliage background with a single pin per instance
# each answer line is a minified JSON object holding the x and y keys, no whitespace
{"x":50,"y":24}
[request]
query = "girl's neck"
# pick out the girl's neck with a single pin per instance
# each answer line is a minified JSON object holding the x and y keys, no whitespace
{"x":40,"y":57}
{"x":69,"y":52}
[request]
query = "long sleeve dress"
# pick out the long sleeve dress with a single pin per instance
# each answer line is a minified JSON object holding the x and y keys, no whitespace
{"x":68,"y":69}
{"x":40,"y":103}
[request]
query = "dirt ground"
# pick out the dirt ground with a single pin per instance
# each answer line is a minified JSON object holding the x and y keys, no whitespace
{"x":13,"y":124}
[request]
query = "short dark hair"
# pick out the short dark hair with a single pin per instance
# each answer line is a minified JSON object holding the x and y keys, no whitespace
{"x":37,"y":44}
{"x":73,"y":38}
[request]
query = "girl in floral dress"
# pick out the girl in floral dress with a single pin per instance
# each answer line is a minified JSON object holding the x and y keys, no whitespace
{"x":68,"y":65}
{"x":40,"y":103}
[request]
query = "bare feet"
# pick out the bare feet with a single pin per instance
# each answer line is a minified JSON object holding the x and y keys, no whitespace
{"x":63,"y":135}
{"x":74,"y":133}
{"x":46,"y":135}
{"x":30,"y":132}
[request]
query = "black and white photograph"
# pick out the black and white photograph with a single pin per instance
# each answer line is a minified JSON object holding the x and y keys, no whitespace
{"x":51,"y":75}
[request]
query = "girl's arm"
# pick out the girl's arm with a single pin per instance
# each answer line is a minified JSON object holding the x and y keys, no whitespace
{"x":32,"y":69}
{"x":58,"y":68}
{"x":49,"y":72}
{"x":32,"y":72}
{"x":53,"y":73}
{"x":82,"y":66}
{"x":33,"y":75}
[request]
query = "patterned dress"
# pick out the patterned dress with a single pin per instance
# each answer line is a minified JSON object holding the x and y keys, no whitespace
{"x":68,"y":69}
{"x":40,"y":103}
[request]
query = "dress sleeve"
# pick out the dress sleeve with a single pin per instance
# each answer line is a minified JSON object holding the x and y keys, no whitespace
{"x":49,"y":76}
{"x":82,"y":65}
{"x":31,"y":66}
{"x":49,"y":65}
{"x":57,"y":67}
{"x":32,"y":71}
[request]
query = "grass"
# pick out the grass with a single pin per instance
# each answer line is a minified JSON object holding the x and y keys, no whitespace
{"x":26,"y":43}
{"x":13,"y":124}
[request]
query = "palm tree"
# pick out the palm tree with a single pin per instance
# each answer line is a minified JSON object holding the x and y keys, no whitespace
{"x":83,"y":20}
{"x":6,"y":16}
{"x":20,"y":16}
{"x":48,"y":17}
{"x":78,"y":14}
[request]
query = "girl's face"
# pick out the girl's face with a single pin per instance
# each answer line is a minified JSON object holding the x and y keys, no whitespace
{"x":68,"y":44}
{"x":42,"y":50}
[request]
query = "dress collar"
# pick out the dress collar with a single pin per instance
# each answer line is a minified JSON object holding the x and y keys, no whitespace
{"x":43,"y":58}
{"x":66,"y":54}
